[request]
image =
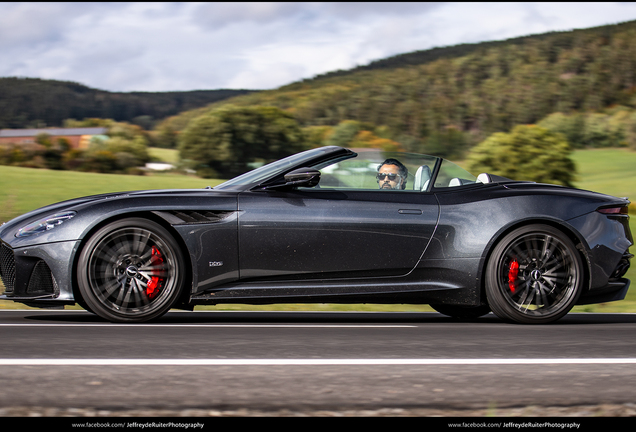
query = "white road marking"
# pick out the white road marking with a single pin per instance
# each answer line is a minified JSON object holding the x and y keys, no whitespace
{"x":213,"y":325}
{"x":307,"y":362}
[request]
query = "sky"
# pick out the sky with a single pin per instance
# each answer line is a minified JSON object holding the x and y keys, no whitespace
{"x":183,"y":46}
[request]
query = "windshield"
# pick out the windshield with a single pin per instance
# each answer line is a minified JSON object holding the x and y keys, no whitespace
{"x":374,"y":169}
{"x":265,"y":172}
{"x":451,"y":175}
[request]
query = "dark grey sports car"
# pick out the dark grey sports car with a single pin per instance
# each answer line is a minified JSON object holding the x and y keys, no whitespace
{"x":328,"y":225}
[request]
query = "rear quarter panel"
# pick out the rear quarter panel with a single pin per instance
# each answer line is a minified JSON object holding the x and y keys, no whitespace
{"x":474,"y":218}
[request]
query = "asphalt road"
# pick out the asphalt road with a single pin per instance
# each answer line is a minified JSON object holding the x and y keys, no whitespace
{"x":313,"y":361}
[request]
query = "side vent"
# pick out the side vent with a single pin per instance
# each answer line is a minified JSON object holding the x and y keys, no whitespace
{"x":198,"y":216}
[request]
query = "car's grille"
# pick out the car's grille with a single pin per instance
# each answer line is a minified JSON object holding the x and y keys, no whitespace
{"x":41,"y":281}
{"x":7,"y":268}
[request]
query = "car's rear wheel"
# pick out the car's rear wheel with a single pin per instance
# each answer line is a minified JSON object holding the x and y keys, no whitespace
{"x":130,"y":270}
{"x":534,"y":275}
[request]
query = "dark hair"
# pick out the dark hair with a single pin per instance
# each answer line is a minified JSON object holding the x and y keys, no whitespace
{"x":404,"y":171}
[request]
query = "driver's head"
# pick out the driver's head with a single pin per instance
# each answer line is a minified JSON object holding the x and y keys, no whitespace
{"x":392,"y":174}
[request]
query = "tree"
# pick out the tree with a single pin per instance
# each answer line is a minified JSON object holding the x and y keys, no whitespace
{"x":630,"y":131}
{"x":367,"y":139}
{"x":352,"y":133}
{"x":314,"y":136}
{"x":227,"y":141}
{"x":130,"y":153}
{"x":571,"y":126}
{"x":528,"y":152}
{"x":107,"y":155}
{"x":449,"y":143}
{"x":166,"y":136}
{"x":344,"y":133}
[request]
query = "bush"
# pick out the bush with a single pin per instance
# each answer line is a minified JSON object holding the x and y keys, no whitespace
{"x":526,"y":153}
{"x":616,"y":127}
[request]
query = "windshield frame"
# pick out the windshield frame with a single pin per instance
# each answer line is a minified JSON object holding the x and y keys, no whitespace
{"x":273,"y":171}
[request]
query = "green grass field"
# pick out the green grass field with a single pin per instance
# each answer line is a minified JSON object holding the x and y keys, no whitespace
{"x":25,"y":189}
{"x":608,"y":171}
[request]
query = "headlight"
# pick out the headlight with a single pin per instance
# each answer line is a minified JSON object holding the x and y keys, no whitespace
{"x":44,"y":224}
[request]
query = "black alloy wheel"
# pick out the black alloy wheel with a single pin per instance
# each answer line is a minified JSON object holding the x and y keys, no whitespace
{"x":131,"y":270}
{"x":534,"y":275}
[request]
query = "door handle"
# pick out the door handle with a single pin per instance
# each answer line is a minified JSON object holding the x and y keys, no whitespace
{"x":410,"y":211}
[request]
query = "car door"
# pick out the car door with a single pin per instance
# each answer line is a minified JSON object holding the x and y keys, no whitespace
{"x":328,"y":234}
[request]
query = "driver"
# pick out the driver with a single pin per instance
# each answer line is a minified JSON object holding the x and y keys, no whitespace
{"x":392,"y":174}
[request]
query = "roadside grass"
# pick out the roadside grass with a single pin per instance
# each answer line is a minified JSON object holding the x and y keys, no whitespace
{"x":609,"y":171}
{"x":26,"y":189}
{"x":170,"y":156}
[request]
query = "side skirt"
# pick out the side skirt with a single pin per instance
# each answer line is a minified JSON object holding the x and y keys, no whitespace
{"x":408,"y":293}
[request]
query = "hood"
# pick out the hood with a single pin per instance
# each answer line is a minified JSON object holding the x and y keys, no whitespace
{"x":59,"y":206}
{"x":90,"y":210}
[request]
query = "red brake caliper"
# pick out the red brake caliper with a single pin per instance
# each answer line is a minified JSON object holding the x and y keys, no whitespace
{"x":153,"y":286}
{"x":513,"y":272}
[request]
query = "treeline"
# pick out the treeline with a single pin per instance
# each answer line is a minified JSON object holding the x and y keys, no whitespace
{"x":36,"y":103}
{"x":123,"y":149}
{"x":459,"y":99}
{"x":232,"y":140}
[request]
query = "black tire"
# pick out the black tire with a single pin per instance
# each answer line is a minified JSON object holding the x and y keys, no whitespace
{"x":131,"y":270}
{"x":534,"y":275}
{"x":462,"y":312}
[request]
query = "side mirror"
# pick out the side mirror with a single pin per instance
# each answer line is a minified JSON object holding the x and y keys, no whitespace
{"x":307,"y":177}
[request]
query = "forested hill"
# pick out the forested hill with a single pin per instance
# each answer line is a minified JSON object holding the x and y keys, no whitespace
{"x":466,"y":93}
{"x":557,"y":41}
{"x":32,"y":102}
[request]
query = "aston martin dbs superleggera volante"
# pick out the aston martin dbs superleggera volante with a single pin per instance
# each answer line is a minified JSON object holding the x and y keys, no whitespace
{"x":329,"y":225}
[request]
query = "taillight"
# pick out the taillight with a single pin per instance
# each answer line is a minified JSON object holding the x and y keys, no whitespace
{"x":622,"y":210}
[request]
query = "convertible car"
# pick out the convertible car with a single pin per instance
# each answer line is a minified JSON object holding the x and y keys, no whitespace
{"x":329,"y":225}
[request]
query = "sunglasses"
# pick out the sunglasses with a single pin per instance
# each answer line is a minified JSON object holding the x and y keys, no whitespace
{"x":392,"y":177}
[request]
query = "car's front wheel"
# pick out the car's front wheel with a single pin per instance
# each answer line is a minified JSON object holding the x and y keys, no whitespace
{"x":131,"y":270}
{"x":534,"y":275}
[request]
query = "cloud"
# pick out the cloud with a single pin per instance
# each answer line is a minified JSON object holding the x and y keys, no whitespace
{"x":217,"y":15}
{"x":186,"y":46}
